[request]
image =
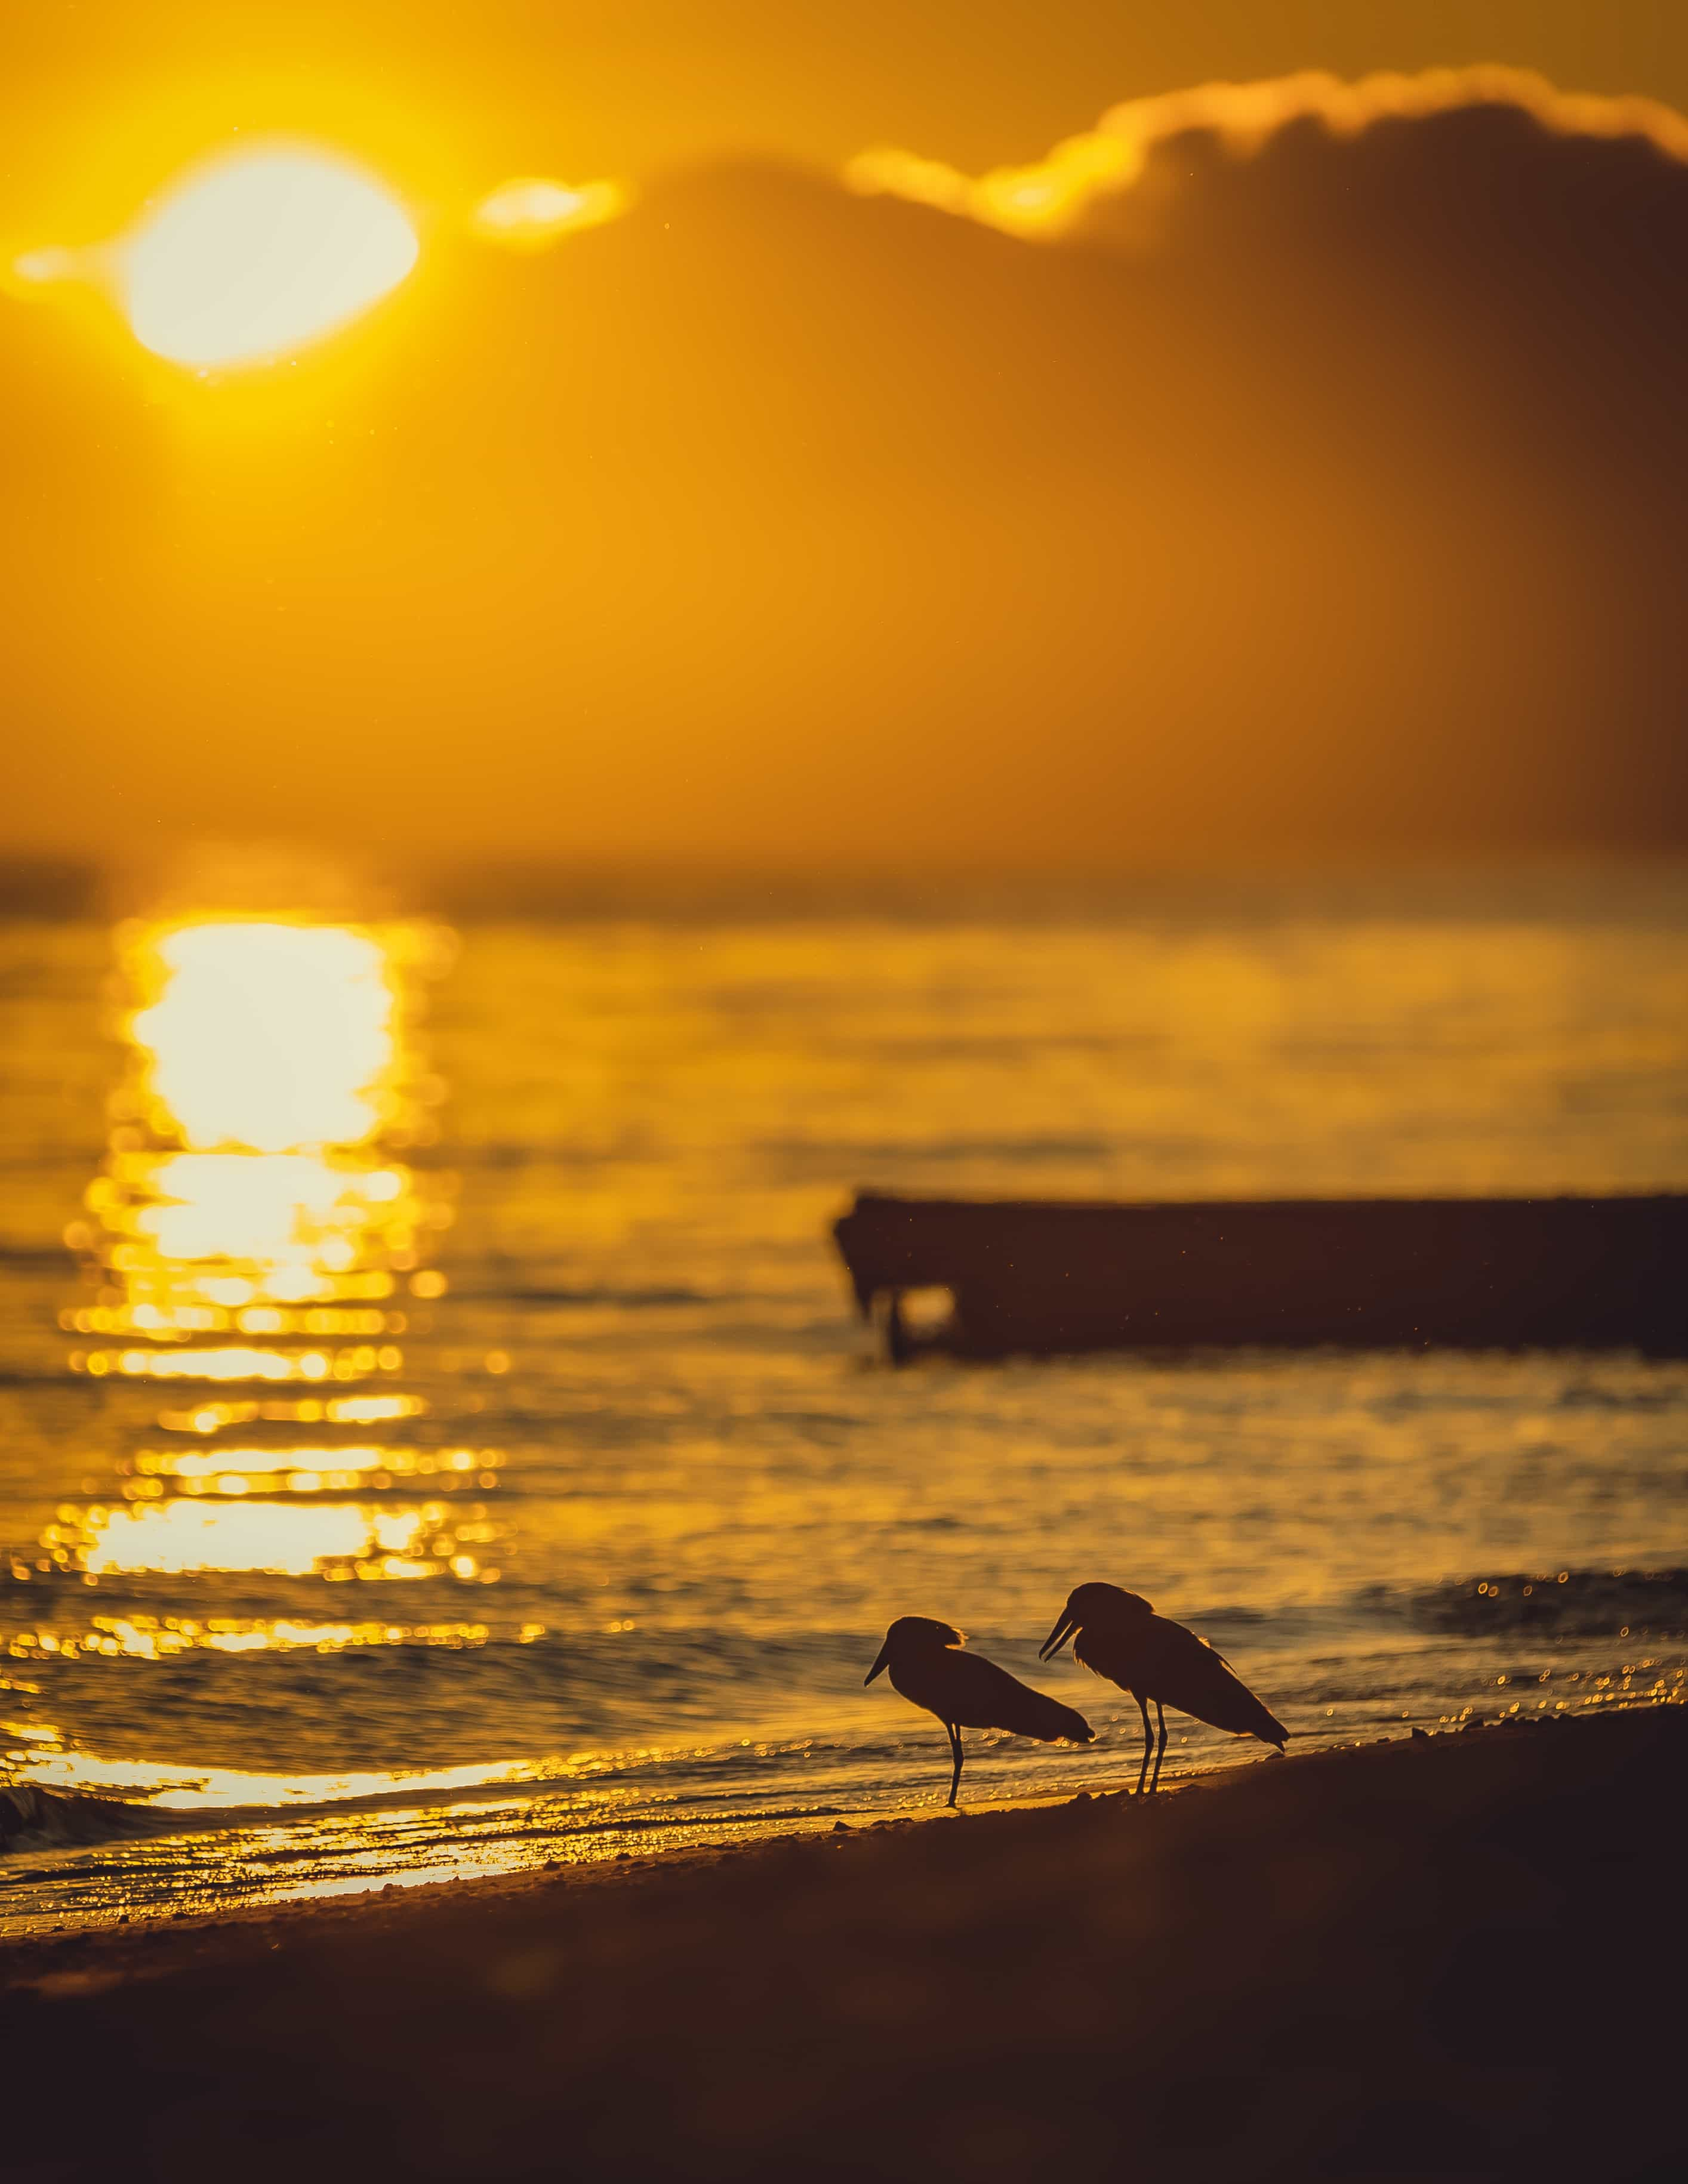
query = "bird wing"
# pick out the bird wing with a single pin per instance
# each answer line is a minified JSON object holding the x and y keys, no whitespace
{"x":987,"y":1696}
{"x":1182,"y":1670}
{"x":1122,"y":1659}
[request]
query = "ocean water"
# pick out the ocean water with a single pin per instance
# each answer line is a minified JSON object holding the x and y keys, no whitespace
{"x":435,"y":1440}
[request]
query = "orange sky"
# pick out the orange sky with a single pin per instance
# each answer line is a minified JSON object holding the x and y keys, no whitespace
{"x":101,"y":95}
{"x":773,"y":527}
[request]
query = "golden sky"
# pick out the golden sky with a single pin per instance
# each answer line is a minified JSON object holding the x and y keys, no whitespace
{"x":102,"y":93}
{"x":1320,"y":500}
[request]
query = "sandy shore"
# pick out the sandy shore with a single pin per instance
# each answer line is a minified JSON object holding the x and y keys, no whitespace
{"x":1459,"y":1957}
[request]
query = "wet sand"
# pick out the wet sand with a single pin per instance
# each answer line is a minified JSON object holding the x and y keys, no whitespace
{"x":1458,"y":1956}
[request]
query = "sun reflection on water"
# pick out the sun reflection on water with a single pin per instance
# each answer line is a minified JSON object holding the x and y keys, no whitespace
{"x":248,"y":1463}
{"x":265,"y":1036}
{"x":298,"y":1538}
{"x":251,"y":1187}
{"x":200,"y":1789}
{"x":256,"y":1222}
{"x":337,"y":1410}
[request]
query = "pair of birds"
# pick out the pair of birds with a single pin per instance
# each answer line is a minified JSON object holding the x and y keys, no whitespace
{"x":1115,"y":1633}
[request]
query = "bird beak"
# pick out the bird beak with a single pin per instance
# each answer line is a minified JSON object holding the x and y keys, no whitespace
{"x":1065,"y":1625}
{"x":882,"y":1663}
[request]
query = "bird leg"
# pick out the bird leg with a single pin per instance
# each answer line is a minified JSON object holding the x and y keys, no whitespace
{"x":1160,"y":1743}
{"x":1147,"y":1739}
{"x":955,"y":1746}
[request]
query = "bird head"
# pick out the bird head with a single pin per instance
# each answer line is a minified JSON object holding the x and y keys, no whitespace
{"x":1090,"y":1607}
{"x":914,"y":1634}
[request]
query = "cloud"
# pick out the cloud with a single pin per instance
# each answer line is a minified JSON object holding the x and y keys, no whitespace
{"x":1052,"y":195}
{"x":534,"y":211}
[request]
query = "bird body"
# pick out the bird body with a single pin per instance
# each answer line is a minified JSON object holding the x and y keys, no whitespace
{"x":928,"y":1668}
{"x":1165,"y":1661}
{"x":1117,"y":1635}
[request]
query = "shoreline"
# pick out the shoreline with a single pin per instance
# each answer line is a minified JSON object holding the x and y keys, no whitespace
{"x":54,"y":1822}
{"x":1407,"y":1957}
{"x":128,"y":1934}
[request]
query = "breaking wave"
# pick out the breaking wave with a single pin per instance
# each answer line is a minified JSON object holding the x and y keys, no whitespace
{"x":32,"y":1819}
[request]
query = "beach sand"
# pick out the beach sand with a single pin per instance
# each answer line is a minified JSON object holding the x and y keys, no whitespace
{"x":1458,"y":1956}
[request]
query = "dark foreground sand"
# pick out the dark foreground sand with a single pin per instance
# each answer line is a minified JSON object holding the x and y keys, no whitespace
{"x":1461,"y":1958}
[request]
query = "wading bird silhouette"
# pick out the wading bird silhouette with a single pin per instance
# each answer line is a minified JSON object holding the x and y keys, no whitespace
{"x":1118,"y":1634}
{"x":965,"y":1690}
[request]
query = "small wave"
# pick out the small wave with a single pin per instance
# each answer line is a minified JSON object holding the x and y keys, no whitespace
{"x":1573,"y":1603}
{"x":32,"y":1819}
{"x":1631,"y":1397}
{"x":958,"y":1151}
{"x":630,"y":1299}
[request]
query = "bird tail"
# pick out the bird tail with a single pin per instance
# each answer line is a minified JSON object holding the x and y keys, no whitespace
{"x":1078,"y":1729}
{"x":1268,"y":1728}
{"x":1240,"y":1711}
{"x":1055,"y":1721}
{"x":1027,"y":1712}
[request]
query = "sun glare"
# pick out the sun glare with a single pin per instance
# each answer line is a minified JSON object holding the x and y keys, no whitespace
{"x":253,"y":257}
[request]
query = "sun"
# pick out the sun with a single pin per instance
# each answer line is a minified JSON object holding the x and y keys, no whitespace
{"x":254,"y":255}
